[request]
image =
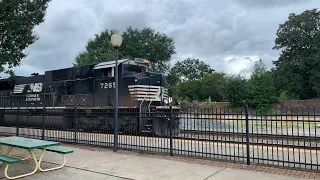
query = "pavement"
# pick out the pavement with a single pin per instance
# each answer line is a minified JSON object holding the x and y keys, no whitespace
{"x":89,"y":162}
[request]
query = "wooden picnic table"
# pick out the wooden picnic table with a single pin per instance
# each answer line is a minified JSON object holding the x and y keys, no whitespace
{"x":28,"y":144}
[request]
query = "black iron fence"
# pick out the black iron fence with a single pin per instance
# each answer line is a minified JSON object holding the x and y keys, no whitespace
{"x":237,"y":135}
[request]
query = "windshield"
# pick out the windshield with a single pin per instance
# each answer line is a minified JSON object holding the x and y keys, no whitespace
{"x":134,"y":69}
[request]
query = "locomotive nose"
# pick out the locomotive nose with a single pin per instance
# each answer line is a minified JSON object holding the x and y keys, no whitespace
{"x":157,"y":79}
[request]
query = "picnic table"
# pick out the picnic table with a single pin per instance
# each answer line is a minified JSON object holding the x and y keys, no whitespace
{"x":30,"y":145}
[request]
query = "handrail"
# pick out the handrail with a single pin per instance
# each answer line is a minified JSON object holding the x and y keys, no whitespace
{"x":141,"y":105}
{"x":149,"y":106}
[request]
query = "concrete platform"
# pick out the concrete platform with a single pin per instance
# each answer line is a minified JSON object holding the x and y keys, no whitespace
{"x":88,"y":163}
{"x":228,"y":173}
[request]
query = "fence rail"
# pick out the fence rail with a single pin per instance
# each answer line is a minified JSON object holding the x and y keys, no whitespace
{"x":246,"y":137}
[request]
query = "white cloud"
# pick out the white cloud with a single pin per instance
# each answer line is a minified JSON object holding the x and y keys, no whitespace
{"x":240,"y":64}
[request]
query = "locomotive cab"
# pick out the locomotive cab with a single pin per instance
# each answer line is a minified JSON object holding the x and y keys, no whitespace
{"x":137,"y":85}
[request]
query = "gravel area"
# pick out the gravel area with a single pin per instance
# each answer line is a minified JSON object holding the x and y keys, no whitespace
{"x":258,"y":127}
{"x":261,"y":127}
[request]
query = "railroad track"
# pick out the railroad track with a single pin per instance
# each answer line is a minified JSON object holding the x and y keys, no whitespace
{"x":236,"y":138}
{"x":254,"y":138}
{"x":252,"y":135}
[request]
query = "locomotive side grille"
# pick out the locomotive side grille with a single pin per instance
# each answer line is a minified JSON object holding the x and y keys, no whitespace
{"x":145,"y":92}
{"x":18,"y":89}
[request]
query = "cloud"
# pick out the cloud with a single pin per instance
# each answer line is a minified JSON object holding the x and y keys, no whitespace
{"x":240,"y":64}
{"x":67,"y":28}
{"x":228,"y":35}
{"x":269,"y":3}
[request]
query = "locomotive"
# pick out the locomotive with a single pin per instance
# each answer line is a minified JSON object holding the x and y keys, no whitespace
{"x":90,"y":91}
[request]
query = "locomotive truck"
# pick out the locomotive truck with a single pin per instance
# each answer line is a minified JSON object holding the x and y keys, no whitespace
{"x":90,"y":91}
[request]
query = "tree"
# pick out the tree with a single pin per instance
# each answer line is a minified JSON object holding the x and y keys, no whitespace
{"x":212,"y":86}
{"x":10,"y":72}
{"x":189,"y":90}
{"x":261,"y":91}
{"x":191,"y":69}
{"x":173,"y":81}
{"x":97,"y":50}
{"x":156,"y":47}
{"x":17,"y":21}
{"x":186,"y":70}
{"x":296,"y":71}
{"x":234,"y":90}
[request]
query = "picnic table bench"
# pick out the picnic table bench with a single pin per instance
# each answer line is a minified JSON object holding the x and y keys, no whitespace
{"x":30,"y":145}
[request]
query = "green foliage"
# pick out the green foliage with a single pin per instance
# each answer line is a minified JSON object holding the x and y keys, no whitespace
{"x":212,"y":86}
{"x":235,"y":90}
{"x":10,"y":72}
{"x":191,"y":69}
{"x":296,"y":71}
{"x":173,"y":81}
{"x":184,"y":102}
{"x":18,"y":19}
{"x":285,"y":95}
{"x":186,"y":70}
{"x":261,"y":91}
{"x":97,"y":50}
{"x":189,"y":90}
{"x":146,"y":43}
{"x":209,"y":87}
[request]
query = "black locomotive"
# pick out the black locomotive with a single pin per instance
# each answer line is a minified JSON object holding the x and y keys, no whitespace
{"x":143,"y":97}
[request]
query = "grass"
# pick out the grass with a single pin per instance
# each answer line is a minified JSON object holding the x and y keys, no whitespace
{"x":290,"y":124}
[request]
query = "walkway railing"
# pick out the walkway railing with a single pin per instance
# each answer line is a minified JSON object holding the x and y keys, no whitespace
{"x":288,"y":139}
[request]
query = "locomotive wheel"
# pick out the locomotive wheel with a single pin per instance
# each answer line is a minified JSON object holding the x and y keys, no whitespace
{"x":131,"y":128}
{"x":109,"y":125}
{"x":161,"y":127}
{"x":94,"y":124}
{"x":128,"y":125}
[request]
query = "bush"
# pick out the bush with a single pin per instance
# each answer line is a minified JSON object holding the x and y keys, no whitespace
{"x":285,"y":95}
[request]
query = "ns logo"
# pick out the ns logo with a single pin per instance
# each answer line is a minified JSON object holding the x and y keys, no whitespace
{"x":35,"y":87}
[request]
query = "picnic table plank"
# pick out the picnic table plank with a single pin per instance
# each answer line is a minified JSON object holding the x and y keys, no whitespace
{"x":26,"y":143}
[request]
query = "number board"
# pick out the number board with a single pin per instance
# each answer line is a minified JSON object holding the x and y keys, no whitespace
{"x":108,"y":85}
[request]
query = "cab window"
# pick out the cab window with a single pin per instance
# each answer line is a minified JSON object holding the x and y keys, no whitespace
{"x":106,"y":72}
{"x":129,"y":69}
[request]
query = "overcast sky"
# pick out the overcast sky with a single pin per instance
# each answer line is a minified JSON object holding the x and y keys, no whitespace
{"x":227,"y":34}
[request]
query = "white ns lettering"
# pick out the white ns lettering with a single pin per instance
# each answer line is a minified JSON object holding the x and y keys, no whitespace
{"x":35,"y":87}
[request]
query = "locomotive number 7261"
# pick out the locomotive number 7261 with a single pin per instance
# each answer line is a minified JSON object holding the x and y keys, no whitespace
{"x":108,"y":85}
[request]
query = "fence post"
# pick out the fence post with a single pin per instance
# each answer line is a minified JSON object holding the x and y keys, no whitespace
{"x":247,"y":135}
{"x":116,"y":128}
{"x":170,"y":124}
{"x":75,"y":128}
{"x":17,"y":130}
{"x":43,"y":110}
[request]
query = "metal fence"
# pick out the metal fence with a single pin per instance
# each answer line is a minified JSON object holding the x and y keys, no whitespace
{"x":289,"y":138}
